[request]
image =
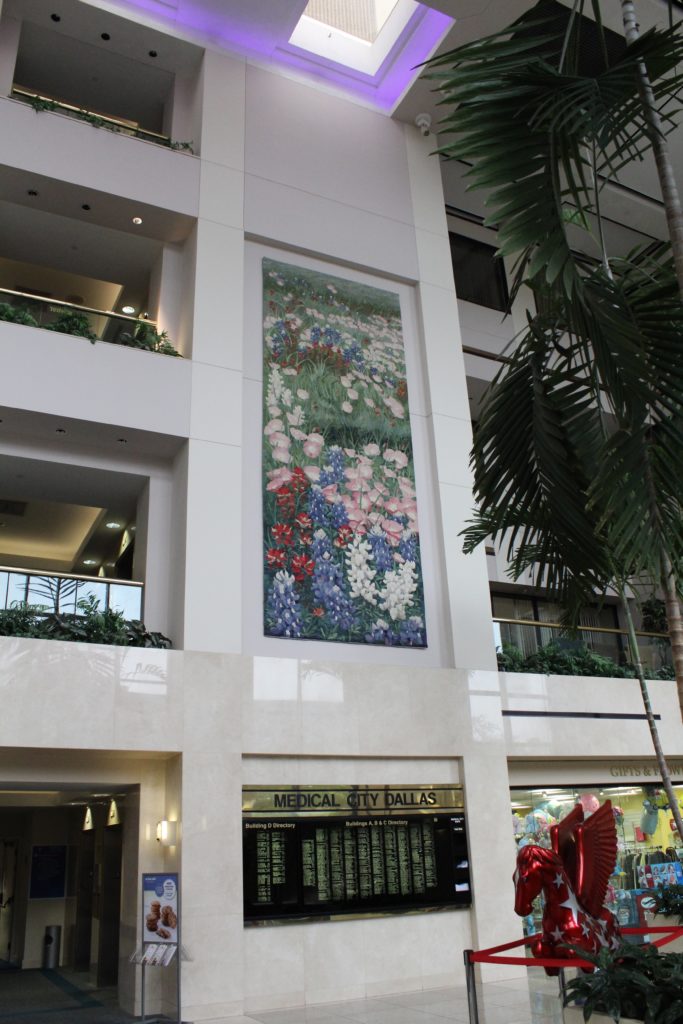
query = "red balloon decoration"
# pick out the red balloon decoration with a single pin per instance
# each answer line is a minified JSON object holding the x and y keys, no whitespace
{"x":573,"y":876}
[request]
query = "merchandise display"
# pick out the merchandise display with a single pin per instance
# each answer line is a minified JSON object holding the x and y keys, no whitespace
{"x":649,"y":850}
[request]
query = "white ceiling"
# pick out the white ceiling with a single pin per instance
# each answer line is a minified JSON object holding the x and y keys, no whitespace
{"x":47,"y":535}
{"x":81,"y":248}
{"x":67,"y":481}
{"x":14,"y":796}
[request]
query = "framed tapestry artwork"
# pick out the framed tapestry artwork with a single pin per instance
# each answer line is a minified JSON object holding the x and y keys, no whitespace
{"x":341,"y":544}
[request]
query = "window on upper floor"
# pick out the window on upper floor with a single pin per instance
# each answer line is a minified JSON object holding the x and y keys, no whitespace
{"x":478,"y":273}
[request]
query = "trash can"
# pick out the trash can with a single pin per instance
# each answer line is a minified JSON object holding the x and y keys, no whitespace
{"x":52,"y":942}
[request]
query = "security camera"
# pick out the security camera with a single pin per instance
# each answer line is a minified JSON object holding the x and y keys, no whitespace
{"x":424,"y":123}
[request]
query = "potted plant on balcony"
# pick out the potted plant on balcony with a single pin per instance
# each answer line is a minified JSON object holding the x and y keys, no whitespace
{"x":145,"y":336}
{"x":16,"y":315}
{"x":632,"y":984}
{"x":69,"y":322}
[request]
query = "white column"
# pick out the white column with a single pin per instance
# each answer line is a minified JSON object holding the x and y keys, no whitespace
{"x":467,"y":578}
{"x":213,"y":927}
{"x":487,"y":797}
{"x":153,"y":552}
{"x":212,"y":618}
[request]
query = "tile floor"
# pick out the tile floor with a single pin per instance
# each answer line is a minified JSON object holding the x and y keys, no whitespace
{"x":530,"y":1000}
{"x":534,"y":1000}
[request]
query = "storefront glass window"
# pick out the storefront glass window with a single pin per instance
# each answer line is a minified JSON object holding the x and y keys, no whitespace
{"x":650,"y":851}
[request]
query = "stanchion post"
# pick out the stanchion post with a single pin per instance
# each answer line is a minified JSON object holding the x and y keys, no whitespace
{"x":471,"y":988}
{"x":563,"y":984}
{"x":142,"y":990}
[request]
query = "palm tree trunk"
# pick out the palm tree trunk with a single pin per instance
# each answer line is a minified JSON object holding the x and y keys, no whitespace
{"x":674,"y":218}
{"x":675,"y":623}
{"x":651,"y":721}
{"x":660,"y":148}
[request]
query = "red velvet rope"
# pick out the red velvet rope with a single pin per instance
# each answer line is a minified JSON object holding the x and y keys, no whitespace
{"x":487,"y":956}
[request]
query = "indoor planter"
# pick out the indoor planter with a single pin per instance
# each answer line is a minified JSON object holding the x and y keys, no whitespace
{"x":668,"y":911}
{"x":631,"y":984}
{"x":574,"y":1015}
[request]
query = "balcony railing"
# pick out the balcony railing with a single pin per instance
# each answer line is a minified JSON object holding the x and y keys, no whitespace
{"x":83,"y":321}
{"x":115,"y":124}
{"x":62,"y":592}
{"x":530,"y":635}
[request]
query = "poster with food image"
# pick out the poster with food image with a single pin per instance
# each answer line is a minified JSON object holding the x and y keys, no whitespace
{"x":160,"y":908}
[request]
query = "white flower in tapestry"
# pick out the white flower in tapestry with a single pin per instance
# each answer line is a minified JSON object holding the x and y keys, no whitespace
{"x":340,"y":534}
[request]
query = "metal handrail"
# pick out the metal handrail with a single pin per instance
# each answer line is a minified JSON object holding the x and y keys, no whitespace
{"x":69,"y":576}
{"x":82,"y":309}
{"x":127,"y":125}
{"x":586,"y":629}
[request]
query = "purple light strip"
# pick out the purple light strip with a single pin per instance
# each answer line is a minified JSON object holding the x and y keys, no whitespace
{"x":417,"y":42}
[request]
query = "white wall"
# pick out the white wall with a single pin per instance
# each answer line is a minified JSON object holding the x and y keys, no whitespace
{"x":75,"y":152}
{"x":100,"y":383}
{"x":237,"y":720}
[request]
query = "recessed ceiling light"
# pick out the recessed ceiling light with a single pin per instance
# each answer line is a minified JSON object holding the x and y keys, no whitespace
{"x":113,"y":525}
{"x":89,"y":561}
{"x":137,"y":220}
{"x":128,"y":309}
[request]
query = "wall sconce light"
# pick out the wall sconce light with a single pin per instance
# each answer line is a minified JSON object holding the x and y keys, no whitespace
{"x":167,"y":832}
{"x":113,"y":817}
{"x":87,"y":821}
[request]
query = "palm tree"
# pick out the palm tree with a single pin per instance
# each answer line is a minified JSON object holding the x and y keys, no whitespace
{"x":543,"y":137}
{"x":577,"y":449}
{"x":542,"y":446}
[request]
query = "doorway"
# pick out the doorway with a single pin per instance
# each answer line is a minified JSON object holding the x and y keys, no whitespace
{"x":61,"y":870}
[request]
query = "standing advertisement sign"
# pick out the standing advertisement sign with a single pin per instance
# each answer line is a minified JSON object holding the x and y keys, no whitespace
{"x":160,"y":908}
{"x":160,"y":927}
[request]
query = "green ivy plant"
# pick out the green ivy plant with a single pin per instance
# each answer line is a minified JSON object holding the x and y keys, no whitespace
{"x":40,"y":103}
{"x":631,"y":981}
{"x":145,"y":336}
{"x":95,"y":120}
{"x":70,"y":322}
{"x":16,"y":315}
{"x":91,"y":626}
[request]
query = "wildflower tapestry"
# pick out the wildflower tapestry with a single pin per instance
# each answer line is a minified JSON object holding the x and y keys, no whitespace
{"x":341,"y":545}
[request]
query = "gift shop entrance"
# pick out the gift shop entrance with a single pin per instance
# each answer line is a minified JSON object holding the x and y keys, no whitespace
{"x":649,"y":849}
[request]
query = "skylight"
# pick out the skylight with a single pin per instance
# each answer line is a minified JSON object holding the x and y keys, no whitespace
{"x":356,"y":34}
{"x":363,"y":19}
